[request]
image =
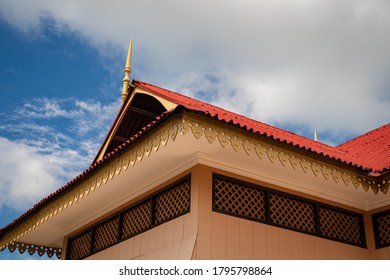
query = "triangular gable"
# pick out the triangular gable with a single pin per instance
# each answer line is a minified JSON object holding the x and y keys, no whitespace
{"x":139,"y":110}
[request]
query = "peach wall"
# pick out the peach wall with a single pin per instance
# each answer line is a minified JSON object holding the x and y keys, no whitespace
{"x":204,"y":234}
{"x":226,"y":237}
{"x":171,"y":240}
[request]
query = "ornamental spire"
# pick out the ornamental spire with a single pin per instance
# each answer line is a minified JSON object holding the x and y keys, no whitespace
{"x":126,"y":79}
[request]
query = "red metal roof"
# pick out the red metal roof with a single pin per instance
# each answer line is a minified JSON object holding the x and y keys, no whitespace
{"x":372,"y":148}
{"x":376,"y":160}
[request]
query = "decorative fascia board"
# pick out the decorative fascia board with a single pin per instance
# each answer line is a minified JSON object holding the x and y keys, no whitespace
{"x":198,"y":126}
{"x":228,"y":136}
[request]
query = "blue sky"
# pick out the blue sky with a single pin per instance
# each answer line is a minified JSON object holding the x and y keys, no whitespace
{"x":299,"y":66}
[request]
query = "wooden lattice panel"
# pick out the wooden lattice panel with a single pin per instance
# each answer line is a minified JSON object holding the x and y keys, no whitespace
{"x":264,"y":205}
{"x":382,"y":229}
{"x":80,"y":246}
{"x":239,"y":200}
{"x":136,"y":220}
{"x":172,"y":202}
{"x":341,"y":226}
{"x":106,"y":234}
{"x":292,"y":213}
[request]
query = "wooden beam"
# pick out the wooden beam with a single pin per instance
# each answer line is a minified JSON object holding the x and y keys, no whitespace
{"x":143,"y":112}
{"x":120,"y":138}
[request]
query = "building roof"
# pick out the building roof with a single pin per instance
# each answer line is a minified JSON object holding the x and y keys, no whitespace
{"x":369,"y":152}
{"x":371,"y":149}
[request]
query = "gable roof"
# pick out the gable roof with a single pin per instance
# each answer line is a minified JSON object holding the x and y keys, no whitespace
{"x":370,"y":152}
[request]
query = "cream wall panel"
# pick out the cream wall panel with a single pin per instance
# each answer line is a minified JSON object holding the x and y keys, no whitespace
{"x":204,"y":213}
{"x":232,"y":238}
{"x":320,"y":248}
{"x":259,"y":241}
{"x":285,"y":245}
{"x":218,"y":237}
{"x":297,"y":245}
{"x":309,"y":249}
{"x":272,"y":242}
{"x":246,"y":240}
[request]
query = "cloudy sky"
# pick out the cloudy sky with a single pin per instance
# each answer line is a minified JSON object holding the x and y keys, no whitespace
{"x":299,"y":65}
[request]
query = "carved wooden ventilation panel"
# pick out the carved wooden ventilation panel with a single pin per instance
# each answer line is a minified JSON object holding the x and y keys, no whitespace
{"x":381,"y":222}
{"x":159,"y":208}
{"x":248,"y":201}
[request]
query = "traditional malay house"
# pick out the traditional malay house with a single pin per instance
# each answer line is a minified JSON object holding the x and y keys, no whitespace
{"x":177,"y":178}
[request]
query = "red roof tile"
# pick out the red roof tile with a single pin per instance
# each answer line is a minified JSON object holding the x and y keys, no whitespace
{"x":376,"y":160}
{"x":372,"y":148}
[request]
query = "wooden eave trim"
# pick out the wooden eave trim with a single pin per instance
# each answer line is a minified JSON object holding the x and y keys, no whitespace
{"x":286,"y":154}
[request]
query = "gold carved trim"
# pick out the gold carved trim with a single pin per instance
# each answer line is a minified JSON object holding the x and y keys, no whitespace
{"x":287,"y":159}
{"x":32,"y":249}
{"x":167,"y":133}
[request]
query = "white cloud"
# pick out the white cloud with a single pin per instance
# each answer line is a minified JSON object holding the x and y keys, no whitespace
{"x":321,"y":64}
{"x":26,"y":175}
{"x":301,"y":65}
{"x":43,"y":158}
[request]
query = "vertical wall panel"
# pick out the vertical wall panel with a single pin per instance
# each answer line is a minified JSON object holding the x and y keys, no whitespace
{"x":232,"y":238}
{"x":246,"y":239}
{"x":309,"y":251}
{"x":204,"y":212}
{"x":218,"y":236}
{"x":297,"y":245}
{"x":272,"y":235}
{"x":178,"y":229}
{"x":285,"y":245}
{"x":259,"y":241}
{"x":320,"y":248}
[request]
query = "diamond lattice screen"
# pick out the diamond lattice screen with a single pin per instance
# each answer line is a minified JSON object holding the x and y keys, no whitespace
{"x":384,"y":230}
{"x":136,"y":220}
{"x":172,"y":202}
{"x":292,"y":213}
{"x":236,"y":199}
{"x":381,"y":222}
{"x":245,"y":200}
{"x":340,"y":226}
{"x":106,"y":234}
{"x":80,"y":246}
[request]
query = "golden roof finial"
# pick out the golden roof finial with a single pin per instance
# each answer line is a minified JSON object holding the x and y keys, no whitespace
{"x":315,"y":135}
{"x":126,"y":79}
